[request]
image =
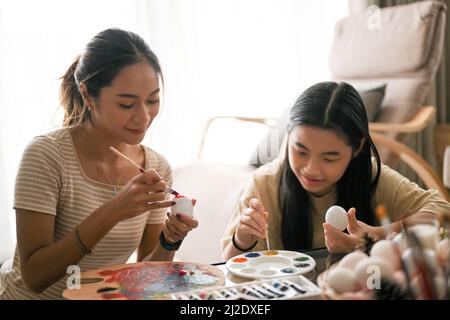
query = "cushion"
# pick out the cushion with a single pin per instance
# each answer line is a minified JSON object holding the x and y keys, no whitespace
{"x":372,"y":99}
{"x":269,"y":147}
{"x":400,"y":44}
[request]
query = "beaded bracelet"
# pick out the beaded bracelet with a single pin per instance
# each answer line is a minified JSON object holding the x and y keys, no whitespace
{"x":80,"y":244}
{"x":239,"y":248}
{"x":167,"y":245}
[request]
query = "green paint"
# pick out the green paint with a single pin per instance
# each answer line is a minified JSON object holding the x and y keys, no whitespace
{"x":301,"y":259}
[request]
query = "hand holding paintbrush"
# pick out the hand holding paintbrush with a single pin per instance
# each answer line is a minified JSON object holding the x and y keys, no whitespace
{"x":252,"y":226}
{"x":120,"y":154}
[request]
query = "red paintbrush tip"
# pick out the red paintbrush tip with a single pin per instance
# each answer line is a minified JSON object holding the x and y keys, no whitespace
{"x":179,"y":196}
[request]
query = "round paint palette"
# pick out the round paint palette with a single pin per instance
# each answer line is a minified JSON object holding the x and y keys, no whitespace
{"x":270,"y":263}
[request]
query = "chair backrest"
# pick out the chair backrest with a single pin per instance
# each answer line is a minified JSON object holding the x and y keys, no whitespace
{"x":399,"y":46}
{"x":415,"y":162}
{"x":403,"y":51}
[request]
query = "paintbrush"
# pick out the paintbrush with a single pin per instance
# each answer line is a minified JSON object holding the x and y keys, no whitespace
{"x":428,"y":287}
{"x":382,"y":216}
{"x":267,"y":238}
{"x":170,"y":190}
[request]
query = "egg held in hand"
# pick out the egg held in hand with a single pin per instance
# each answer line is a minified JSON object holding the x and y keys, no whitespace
{"x":182,"y":205}
{"x":337,"y":217}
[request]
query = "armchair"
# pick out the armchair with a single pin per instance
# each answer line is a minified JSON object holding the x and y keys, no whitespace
{"x":403,"y":53}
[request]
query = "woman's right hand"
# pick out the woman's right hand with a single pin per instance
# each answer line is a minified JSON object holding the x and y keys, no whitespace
{"x":252,"y":224}
{"x":146,"y":191}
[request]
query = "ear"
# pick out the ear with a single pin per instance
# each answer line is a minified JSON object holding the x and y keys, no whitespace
{"x":85,"y":95}
{"x":361,"y":145}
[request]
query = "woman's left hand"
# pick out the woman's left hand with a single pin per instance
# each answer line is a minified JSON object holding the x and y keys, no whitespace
{"x":178,"y":226}
{"x":341,"y":242}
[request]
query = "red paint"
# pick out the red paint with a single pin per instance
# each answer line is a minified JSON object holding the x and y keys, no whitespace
{"x":109,"y":296}
{"x":132,"y":281}
{"x":115,"y":274}
{"x":239,"y":260}
{"x":179,"y":196}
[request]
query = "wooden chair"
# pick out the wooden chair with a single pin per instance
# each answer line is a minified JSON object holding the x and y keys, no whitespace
{"x":414,"y":161}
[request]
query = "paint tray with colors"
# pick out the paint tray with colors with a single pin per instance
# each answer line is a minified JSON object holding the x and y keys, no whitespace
{"x":270,"y":264}
{"x":286,"y":288}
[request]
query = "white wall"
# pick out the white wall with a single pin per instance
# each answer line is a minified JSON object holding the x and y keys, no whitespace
{"x":219,"y":57}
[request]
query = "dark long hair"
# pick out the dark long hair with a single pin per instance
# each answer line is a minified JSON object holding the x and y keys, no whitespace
{"x":104,"y":56}
{"x":335,"y":106}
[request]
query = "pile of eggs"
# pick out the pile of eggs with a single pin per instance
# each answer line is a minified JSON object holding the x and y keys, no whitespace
{"x":352,"y":272}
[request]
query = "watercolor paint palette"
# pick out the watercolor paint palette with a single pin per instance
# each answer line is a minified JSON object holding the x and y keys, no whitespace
{"x":286,"y":288}
{"x":145,"y":280}
{"x":270,"y":264}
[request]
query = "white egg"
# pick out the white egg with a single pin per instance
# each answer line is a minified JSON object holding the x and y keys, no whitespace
{"x":182,"y":205}
{"x":375,"y":268}
{"x":351,"y":260}
{"x":386,"y":250}
{"x":337,"y":217}
{"x":442,"y":252}
{"x":341,"y":280}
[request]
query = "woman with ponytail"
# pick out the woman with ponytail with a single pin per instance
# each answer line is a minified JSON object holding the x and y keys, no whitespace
{"x":329,"y":160}
{"x":80,"y":204}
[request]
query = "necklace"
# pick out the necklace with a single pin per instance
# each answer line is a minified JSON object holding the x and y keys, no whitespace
{"x":114,"y":186}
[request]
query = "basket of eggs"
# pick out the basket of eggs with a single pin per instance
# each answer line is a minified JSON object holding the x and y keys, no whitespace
{"x":413,"y":264}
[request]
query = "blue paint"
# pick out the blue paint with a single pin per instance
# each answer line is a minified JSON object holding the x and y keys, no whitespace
{"x":252,"y":255}
{"x":302,"y":265}
{"x":288,"y":270}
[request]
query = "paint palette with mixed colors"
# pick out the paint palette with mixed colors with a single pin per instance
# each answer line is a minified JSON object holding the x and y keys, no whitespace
{"x":145,"y":280}
{"x":286,"y":288}
{"x":270,"y":264}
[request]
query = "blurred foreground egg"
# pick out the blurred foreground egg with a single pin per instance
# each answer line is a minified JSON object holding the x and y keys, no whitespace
{"x":351,"y":260}
{"x":373,"y":267}
{"x":386,"y":250}
{"x":341,"y":280}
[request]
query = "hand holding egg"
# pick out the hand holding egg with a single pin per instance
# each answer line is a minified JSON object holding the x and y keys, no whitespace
{"x":180,"y":221}
{"x":183,"y":205}
{"x":337,"y":217}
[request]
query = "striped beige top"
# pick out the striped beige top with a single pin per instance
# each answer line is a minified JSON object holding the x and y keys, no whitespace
{"x":51,"y":180}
